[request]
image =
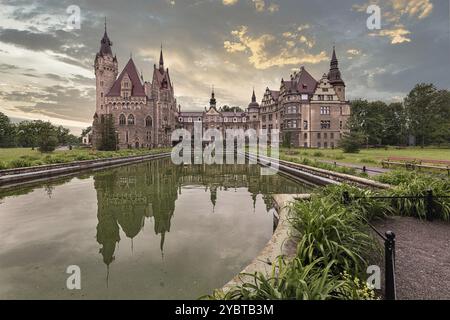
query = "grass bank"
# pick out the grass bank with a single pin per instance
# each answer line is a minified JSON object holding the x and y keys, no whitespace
{"x":368,"y":157}
{"x":26,"y":157}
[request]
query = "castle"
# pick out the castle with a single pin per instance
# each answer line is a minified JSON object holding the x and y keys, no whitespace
{"x":308,"y":113}
{"x":144,"y":113}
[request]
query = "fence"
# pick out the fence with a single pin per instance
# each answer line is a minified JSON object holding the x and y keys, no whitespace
{"x":389,"y":237}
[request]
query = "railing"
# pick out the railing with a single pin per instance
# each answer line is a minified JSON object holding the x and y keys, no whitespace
{"x":389,"y":236}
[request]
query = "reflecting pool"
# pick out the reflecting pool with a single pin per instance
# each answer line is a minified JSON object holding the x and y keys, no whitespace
{"x":147,"y":231}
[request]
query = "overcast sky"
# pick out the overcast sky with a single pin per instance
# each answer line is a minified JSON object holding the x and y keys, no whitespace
{"x":234,"y":45}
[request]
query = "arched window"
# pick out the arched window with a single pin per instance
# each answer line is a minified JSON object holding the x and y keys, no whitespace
{"x":131,"y":120}
{"x":148,"y":121}
{"x":122,"y":120}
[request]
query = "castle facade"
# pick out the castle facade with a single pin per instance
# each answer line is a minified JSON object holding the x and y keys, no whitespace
{"x":308,"y":113}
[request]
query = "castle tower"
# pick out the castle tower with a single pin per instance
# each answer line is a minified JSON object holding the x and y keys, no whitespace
{"x":253,"y":112}
{"x":334,"y":76}
{"x":213,"y":102}
{"x":106,"y":70}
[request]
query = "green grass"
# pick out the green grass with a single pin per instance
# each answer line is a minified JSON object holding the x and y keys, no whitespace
{"x":25,"y":157}
{"x":370,"y":157}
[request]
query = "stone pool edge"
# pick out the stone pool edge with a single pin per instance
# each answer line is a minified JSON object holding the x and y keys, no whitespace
{"x":68,"y":169}
{"x":279,"y":244}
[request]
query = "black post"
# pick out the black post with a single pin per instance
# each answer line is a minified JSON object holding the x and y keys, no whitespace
{"x":429,"y":205}
{"x":364,"y":169}
{"x":346,"y":197}
{"x":389,"y":252}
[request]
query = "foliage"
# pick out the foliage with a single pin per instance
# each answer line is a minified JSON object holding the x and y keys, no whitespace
{"x":108,"y":141}
{"x":28,"y":157}
{"x":424,"y":114}
{"x":287,"y":140}
{"x":226,"y":108}
{"x":47,"y":137}
{"x":351,"y":142}
{"x":7,"y":132}
{"x":333,"y":251}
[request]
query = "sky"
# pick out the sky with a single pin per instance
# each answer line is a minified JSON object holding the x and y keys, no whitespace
{"x":46,"y":63}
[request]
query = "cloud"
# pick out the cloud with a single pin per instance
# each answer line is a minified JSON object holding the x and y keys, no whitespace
{"x":261,"y":58}
{"x":260,"y":5}
{"x":397,"y":35}
{"x":395,"y":13}
{"x":230,"y":2}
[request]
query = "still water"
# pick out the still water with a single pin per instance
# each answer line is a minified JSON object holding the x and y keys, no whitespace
{"x":147,"y":231}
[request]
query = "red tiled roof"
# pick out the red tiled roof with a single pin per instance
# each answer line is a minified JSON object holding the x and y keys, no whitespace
{"x":275,"y":94}
{"x":137,"y":89}
{"x":305,"y":82}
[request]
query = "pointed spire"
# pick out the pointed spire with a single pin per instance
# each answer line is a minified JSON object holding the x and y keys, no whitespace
{"x":161,"y":60}
{"x":212,"y":102}
{"x":254,"y":95}
{"x":334,"y":60}
{"x":105,"y":44}
{"x":335,"y":74}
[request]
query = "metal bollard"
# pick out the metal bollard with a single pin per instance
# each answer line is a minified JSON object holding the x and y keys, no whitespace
{"x":389,"y":251}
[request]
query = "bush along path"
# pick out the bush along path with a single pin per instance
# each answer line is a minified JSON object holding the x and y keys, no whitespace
{"x":335,"y":244}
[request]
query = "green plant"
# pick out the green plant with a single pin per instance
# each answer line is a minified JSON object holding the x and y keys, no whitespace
{"x":318,"y":154}
{"x":20,"y":163}
{"x":329,"y":230}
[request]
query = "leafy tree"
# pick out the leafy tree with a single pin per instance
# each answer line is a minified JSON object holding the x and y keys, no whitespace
{"x":7,"y":132}
{"x":108,"y":141}
{"x":226,"y":108}
{"x":48,"y":137}
{"x":440,"y":132}
{"x":63,"y":135}
{"x":352,"y":142}
{"x":86,"y":131}
{"x":420,"y":111}
{"x":287,"y":140}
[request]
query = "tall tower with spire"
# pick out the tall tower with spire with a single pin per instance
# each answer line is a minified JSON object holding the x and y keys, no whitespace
{"x":106,"y":70}
{"x":253,"y":112}
{"x":334,"y":76}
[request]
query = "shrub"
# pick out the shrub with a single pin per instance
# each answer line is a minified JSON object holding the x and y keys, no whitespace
{"x":351,"y":142}
{"x":20,"y":163}
{"x":317,"y":154}
{"x":396,"y":177}
{"x":3,"y":165}
{"x":418,"y":207}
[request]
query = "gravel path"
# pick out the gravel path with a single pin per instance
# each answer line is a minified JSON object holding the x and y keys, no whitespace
{"x":422,"y":257}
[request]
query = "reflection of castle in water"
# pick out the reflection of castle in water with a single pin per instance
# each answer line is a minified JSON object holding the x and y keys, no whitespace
{"x":128,"y":195}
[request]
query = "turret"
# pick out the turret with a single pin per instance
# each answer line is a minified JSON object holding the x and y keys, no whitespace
{"x":212,"y":102}
{"x":334,"y":76}
{"x":106,"y":70}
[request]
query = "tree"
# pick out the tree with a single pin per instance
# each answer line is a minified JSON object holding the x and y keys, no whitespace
{"x":48,"y":137}
{"x":226,"y":108}
{"x":352,"y":142}
{"x":420,"y":111}
{"x":108,"y":141}
{"x":287,"y":140}
{"x":440,"y":132}
{"x":7,"y":132}
{"x":62,"y":135}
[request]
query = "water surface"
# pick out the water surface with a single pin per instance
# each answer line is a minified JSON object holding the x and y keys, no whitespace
{"x":147,"y":231}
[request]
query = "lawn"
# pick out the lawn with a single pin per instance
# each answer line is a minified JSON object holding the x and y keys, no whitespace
{"x":368,"y":157}
{"x":25,"y":157}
